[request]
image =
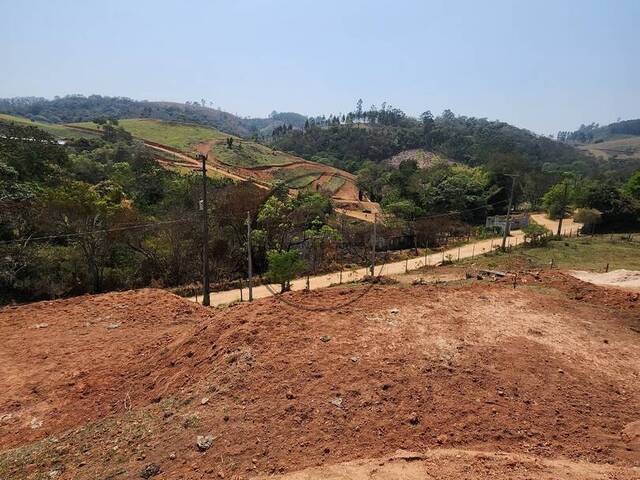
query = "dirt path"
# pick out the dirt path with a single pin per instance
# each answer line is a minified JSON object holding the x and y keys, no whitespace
{"x":454,"y":464}
{"x":322,"y":281}
{"x":568,"y":225}
{"x":467,"y":251}
{"x":210,"y":166}
{"x":627,"y":279}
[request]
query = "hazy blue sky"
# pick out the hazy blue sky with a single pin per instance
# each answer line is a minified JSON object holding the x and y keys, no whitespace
{"x":542,"y":65}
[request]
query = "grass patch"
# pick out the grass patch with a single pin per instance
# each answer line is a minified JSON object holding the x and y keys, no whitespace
{"x":582,"y":253}
{"x":177,"y":135}
{"x":623,"y":148}
{"x":249,"y":154}
{"x":58,"y":131}
{"x":334,"y":184}
{"x":297,"y":177}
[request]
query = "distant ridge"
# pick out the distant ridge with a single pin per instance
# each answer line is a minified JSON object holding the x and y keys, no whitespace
{"x":80,"y":108}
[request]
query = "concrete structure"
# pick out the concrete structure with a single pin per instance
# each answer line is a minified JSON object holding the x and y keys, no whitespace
{"x":517,"y":221}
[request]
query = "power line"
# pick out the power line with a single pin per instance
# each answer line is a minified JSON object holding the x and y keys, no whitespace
{"x":226,"y":217}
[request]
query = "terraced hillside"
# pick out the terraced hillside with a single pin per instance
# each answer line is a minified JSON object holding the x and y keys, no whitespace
{"x":177,"y":144}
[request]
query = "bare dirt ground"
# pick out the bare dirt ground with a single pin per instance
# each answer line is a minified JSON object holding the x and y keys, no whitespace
{"x":121,"y":385}
{"x":621,"y":278}
{"x":455,"y":464}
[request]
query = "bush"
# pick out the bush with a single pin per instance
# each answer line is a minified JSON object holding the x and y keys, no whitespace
{"x":589,"y":217}
{"x":536,"y":235}
{"x":283,"y":267}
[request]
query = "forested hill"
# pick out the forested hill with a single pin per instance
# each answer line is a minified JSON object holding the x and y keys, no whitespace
{"x":79,"y":108}
{"x":376,"y":135}
{"x":594,"y":132}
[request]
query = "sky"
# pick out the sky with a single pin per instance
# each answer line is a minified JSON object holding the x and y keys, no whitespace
{"x":538,"y":64}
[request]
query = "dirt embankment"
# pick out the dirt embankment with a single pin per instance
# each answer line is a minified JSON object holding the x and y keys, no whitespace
{"x":117,"y":383}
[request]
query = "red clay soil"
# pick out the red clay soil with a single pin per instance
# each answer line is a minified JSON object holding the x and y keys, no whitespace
{"x":117,"y":383}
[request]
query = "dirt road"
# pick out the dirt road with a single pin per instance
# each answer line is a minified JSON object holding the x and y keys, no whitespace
{"x":480,"y":247}
{"x":455,"y":464}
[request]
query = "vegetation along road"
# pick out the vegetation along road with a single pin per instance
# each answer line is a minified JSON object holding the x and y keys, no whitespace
{"x":469,"y":250}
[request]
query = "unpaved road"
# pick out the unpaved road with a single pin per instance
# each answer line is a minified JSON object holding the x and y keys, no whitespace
{"x":321,"y":281}
{"x":622,"y":278}
{"x":454,"y":464}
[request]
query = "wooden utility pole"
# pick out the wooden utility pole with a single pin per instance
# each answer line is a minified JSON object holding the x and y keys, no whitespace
{"x":205,"y":236}
{"x":564,"y":207}
{"x":249,"y":259}
{"x":374,"y":240}
{"x":507,"y":223}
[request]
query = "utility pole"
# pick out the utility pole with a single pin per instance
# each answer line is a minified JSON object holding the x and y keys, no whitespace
{"x":564,"y":207}
{"x":374,"y":240}
{"x":249,"y":259}
{"x":507,"y":223}
{"x":205,"y":235}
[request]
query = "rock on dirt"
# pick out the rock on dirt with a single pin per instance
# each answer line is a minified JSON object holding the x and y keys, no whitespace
{"x":150,"y":470}
{"x":204,"y":442}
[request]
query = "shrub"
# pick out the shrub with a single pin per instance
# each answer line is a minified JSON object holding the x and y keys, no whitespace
{"x":589,"y":217}
{"x":536,"y":235}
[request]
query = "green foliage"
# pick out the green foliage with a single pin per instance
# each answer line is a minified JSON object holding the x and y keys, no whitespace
{"x":78,"y":108}
{"x":619,"y":211}
{"x":410,"y":192}
{"x":284,"y":219}
{"x":284,"y":266}
{"x":588,"y":217}
{"x":178,"y":135}
{"x":57,"y":131}
{"x":632,"y":187}
{"x":535,"y":234}
{"x":557,"y":199}
{"x":31,"y":152}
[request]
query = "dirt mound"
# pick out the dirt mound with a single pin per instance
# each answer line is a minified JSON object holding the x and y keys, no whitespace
{"x":278,"y":388}
{"x":616,"y":278}
{"x":66,"y":362}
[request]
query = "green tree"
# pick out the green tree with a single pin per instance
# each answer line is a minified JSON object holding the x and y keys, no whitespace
{"x":86,"y":214}
{"x":557,"y":199}
{"x":632,"y":187}
{"x":588,"y":217}
{"x":284,"y":266}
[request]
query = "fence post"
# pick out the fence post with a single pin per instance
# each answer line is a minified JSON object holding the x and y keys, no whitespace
{"x":606,"y":269}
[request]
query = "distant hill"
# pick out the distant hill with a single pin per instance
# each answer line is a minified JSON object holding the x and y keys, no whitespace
{"x":621,"y":148}
{"x":619,"y":140}
{"x":79,"y":108}
{"x":595,"y":132}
